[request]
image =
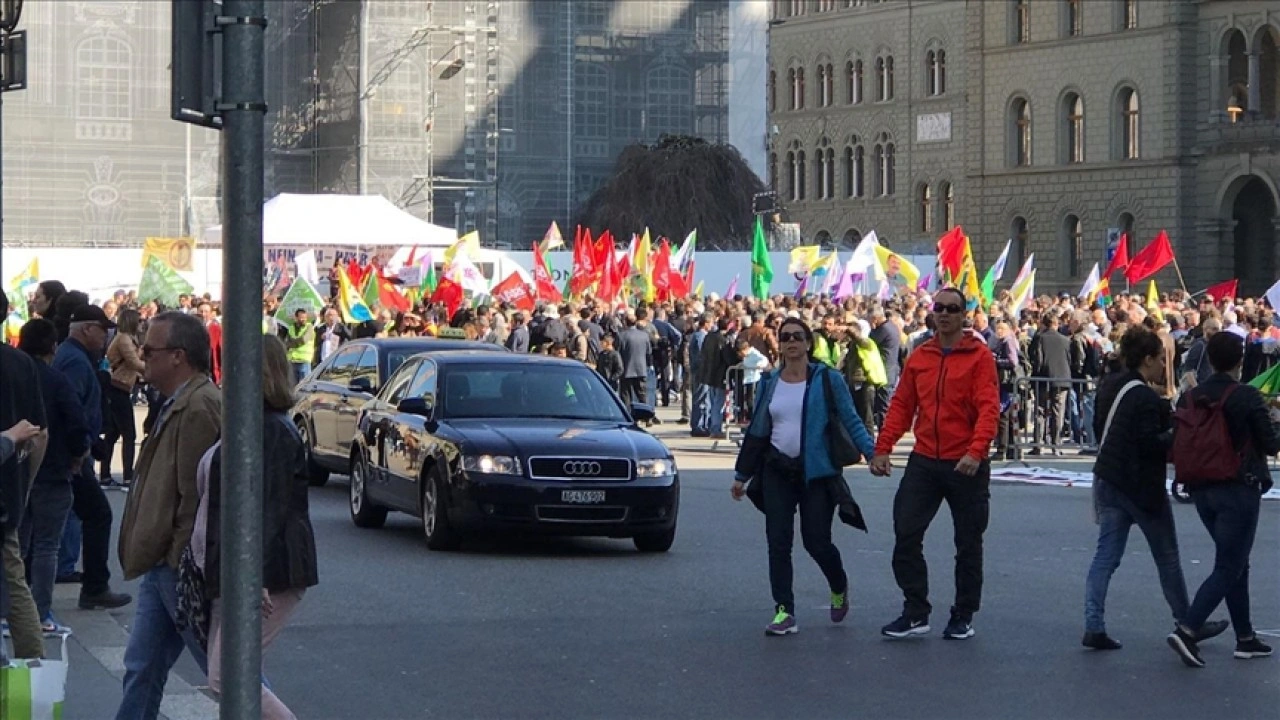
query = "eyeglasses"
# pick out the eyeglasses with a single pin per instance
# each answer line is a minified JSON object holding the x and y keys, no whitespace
{"x":791,"y":337}
{"x":948,"y":308}
{"x":147,"y":350}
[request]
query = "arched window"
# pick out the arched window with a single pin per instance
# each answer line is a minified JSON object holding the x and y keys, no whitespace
{"x":851,"y":239}
{"x":670,"y":99}
{"x":822,"y":239}
{"x":935,"y":72}
{"x":1128,"y":124}
{"x":888,"y":80}
{"x":859,"y":171}
{"x":1073,"y":245}
{"x":1237,"y":75}
{"x":792,"y":92}
{"x":800,"y":175}
{"x":885,"y":160}
{"x":827,"y":84}
{"x":846,"y":169}
{"x":831,"y":173}
{"x":1130,"y":14}
{"x":1269,"y":73}
{"x":792,"y":180}
{"x":1074,"y":20}
{"x":884,"y":78}
{"x":799,"y":88}
{"x":879,"y":160}
{"x":948,"y":206}
{"x":822,"y":85}
{"x":1127,"y":226}
{"x":930,"y":88}
{"x":1020,"y":22}
{"x":773,"y":91}
{"x":104,"y":79}
{"x":1020,"y":236}
{"x":773,"y":171}
{"x":1020,"y":132}
{"x":853,"y":82}
{"x":820,"y":173}
{"x":879,"y":79}
{"x":1073,"y":127}
{"x":924,"y":195}
{"x":591,"y":106}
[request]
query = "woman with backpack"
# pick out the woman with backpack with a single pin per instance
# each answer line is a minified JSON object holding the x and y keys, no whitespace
{"x":1135,"y":431}
{"x":786,"y":455}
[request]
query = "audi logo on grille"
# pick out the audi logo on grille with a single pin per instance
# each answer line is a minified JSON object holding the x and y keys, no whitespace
{"x":581,"y":468}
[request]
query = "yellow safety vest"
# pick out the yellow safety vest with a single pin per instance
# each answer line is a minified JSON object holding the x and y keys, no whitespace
{"x":828,"y":353}
{"x":306,"y":351}
{"x":872,"y":363}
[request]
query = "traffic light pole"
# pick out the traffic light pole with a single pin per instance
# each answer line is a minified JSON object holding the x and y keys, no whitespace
{"x":243,"y":111}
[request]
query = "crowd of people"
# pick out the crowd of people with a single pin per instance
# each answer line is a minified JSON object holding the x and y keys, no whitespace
{"x":971,"y":384}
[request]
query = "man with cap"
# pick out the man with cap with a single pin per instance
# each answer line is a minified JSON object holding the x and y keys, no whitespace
{"x":78,"y":359}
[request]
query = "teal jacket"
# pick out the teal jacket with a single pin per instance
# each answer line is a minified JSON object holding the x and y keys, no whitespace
{"x":813,"y":436}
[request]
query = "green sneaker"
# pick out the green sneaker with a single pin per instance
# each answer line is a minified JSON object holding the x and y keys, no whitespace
{"x":839,"y":606}
{"x":784,"y":623}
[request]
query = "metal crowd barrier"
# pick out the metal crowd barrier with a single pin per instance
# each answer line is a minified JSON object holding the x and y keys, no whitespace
{"x":1037,"y":403}
{"x":738,"y":400}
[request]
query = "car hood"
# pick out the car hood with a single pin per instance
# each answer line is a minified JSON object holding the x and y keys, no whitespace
{"x":563,"y":438}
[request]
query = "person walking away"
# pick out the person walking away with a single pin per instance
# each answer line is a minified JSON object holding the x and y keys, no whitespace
{"x":301,"y":341}
{"x":888,"y":337}
{"x":1134,"y":430}
{"x":161,"y":509}
{"x":1051,"y":359}
{"x":864,"y":372}
{"x":754,"y":363}
{"x":126,"y":369}
{"x":1004,"y":348}
{"x":700,"y":410}
{"x":77,"y":358}
{"x":50,"y":498}
{"x":1223,"y":438}
{"x":289,"y":563}
{"x":786,"y":444}
{"x":635,"y":349}
{"x":948,"y":396}
{"x":716,"y":358}
{"x":609,"y":363}
{"x":1195,"y":364}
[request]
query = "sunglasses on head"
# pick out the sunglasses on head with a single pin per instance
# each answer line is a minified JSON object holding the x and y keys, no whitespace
{"x":796,"y":336}
{"x":948,"y":308}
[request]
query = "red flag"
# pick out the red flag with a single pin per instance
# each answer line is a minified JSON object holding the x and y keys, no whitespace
{"x":544,"y":287}
{"x":1149,"y":261}
{"x":1120,"y":260}
{"x":680,"y":287}
{"x":355,"y":273}
{"x":1223,"y":290}
{"x":951,"y":252}
{"x":584,"y":264}
{"x":661,"y":268}
{"x":602,"y":247}
{"x":609,"y":280}
{"x":514,"y":292}
{"x":449,"y":293}
{"x":390,"y":297}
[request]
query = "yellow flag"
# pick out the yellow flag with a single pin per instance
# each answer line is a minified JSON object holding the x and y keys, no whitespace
{"x":642,"y":267}
{"x":173,"y":252}
{"x":469,"y":244}
{"x":30,"y":276}
{"x":804,"y":259}
{"x":1153,"y":302}
{"x":898,"y":271}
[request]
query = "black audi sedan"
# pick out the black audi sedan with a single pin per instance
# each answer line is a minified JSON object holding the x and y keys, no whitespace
{"x":474,"y":441}
{"x":330,"y":398}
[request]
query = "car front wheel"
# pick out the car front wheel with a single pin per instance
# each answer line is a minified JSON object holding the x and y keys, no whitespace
{"x":316,"y":475}
{"x":363,"y":512}
{"x":439,"y":534}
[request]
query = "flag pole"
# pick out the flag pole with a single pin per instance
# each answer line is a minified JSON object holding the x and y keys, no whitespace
{"x":1181,"y":282}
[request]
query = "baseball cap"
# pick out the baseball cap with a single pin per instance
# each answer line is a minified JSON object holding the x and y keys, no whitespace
{"x":91,"y":314}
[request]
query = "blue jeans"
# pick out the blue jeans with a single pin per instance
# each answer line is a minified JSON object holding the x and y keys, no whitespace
{"x":699,"y":417}
{"x":1087,"y":408}
{"x":1116,"y":515}
{"x":715,"y":421}
{"x":300,"y":371}
{"x":47,"y":509}
{"x":1229,"y":512}
{"x":155,"y":644}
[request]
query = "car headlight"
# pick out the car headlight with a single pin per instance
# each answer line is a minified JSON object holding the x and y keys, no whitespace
{"x":657,"y":467}
{"x":491,"y":464}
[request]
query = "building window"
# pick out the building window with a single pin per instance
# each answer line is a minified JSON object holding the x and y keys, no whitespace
{"x":847,"y":171}
{"x":1073,"y":245}
{"x":826,"y":85}
{"x":797,"y":8}
{"x":854,"y":170}
{"x":800,"y":175}
{"x":1269,"y":73}
{"x":1075,"y":18}
{"x":796,"y":170}
{"x":948,"y":206}
{"x":851,"y":239}
{"x":791,"y":90}
{"x":1237,"y":76}
{"x":935,"y":72}
{"x":669,"y":91}
{"x":925,"y":197}
{"x":104,"y":80}
{"x":885,"y":160}
{"x":1020,"y":132}
{"x":791,"y":175}
{"x":853,"y":82}
{"x":1127,"y":226}
{"x":773,"y":171}
{"x":1021,"y":22}
{"x":799,"y":99}
{"x":831,"y":174}
{"x":591,"y":109}
{"x":1021,"y":238}
{"x":884,"y":82}
{"x":1129,"y":122}
{"x":1073,"y":122}
{"x":826,"y":5}
{"x":773,"y":91}
{"x":824,"y":175}
{"x":1130,"y":14}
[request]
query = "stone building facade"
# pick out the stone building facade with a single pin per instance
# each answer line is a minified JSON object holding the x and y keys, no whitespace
{"x":1072,"y":122}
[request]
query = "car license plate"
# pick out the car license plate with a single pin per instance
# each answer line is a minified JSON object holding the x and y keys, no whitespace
{"x":582,"y":497}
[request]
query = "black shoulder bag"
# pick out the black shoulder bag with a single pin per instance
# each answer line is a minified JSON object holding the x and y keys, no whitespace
{"x":843,"y":451}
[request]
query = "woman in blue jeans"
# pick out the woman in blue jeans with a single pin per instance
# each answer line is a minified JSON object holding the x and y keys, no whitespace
{"x":1135,"y":428}
{"x":786,"y":445}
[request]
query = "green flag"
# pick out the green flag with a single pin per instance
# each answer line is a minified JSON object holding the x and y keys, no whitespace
{"x":301,"y":295}
{"x":1268,"y":383}
{"x":429,"y":280}
{"x":761,"y":267}
{"x":369,"y":293}
{"x":161,"y":283}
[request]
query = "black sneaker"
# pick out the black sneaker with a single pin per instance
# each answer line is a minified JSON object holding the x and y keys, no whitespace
{"x":1211,"y":629}
{"x":958,"y":629}
{"x":105,"y":600}
{"x":1250,"y":649}
{"x":905,"y":627}
{"x":1185,"y":645}
{"x":1100,"y":641}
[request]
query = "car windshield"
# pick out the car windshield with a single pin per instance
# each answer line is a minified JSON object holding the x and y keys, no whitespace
{"x":557,"y":392}
{"x":396,"y":358}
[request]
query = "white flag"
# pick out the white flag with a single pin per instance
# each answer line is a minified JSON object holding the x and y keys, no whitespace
{"x":1090,"y":283}
{"x":864,"y":257}
{"x":1273,"y":296}
{"x":1026,"y":269}
{"x":997,"y":270}
{"x":305,"y":262}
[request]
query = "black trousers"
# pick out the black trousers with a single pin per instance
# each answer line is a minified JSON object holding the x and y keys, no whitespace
{"x":635,"y":390}
{"x":1053,"y":403}
{"x":120,"y":426}
{"x":91,"y":506}
{"x":863,"y":403}
{"x":784,"y":490}
{"x":925,"y":484}
{"x":663,"y":380}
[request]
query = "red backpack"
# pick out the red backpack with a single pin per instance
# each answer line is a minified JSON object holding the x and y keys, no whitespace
{"x":1203,"y":451}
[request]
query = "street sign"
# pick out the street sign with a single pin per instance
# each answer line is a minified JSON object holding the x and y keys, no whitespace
{"x":1113,"y":240}
{"x":196,"y":63}
{"x":13,"y":61}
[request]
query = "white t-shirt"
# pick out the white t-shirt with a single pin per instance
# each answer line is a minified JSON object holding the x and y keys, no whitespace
{"x":786,"y":411}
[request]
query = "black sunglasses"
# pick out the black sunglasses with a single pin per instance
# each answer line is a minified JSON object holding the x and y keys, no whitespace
{"x":796,"y":336}
{"x":948,"y":308}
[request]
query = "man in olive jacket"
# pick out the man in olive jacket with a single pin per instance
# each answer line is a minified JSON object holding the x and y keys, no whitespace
{"x":161,"y":510}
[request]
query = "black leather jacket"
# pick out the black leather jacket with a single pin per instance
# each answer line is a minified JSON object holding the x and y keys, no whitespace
{"x":288,"y":544}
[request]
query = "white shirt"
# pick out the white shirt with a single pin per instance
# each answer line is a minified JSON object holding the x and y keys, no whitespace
{"x":786,"y":411}
{"x":752,"y":365}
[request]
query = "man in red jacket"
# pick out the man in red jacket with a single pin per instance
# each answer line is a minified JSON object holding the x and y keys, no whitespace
{"x":949,"y":389}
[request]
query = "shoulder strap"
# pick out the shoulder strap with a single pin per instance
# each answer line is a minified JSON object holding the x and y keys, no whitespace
{"x":1111,"y":414}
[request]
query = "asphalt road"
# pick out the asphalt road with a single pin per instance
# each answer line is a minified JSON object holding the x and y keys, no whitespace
{"x":592,"y":629}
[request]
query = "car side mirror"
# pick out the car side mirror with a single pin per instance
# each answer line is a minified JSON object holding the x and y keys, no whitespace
{"x":641,"y":412}
{"x":416,"y":406}
{"x":361,"y":385}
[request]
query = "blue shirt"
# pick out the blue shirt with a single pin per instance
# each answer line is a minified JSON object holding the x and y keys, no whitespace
{"x":75,"y":361}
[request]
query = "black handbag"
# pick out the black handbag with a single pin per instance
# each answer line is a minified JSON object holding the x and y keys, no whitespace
{"x":843,"y":451}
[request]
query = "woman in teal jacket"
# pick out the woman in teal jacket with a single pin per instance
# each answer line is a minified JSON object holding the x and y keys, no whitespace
{"x":786,"y":444}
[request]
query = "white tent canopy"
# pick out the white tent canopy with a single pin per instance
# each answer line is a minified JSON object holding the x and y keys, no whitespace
{"x":340,"y":220}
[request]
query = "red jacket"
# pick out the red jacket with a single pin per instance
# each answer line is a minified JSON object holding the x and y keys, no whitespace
{"x":954,"y":400}
{"x":215,"y":348}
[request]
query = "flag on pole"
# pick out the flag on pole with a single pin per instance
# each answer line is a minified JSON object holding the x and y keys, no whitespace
{"x":996,"y":273}
{"x":733,"y":288}
{"x":761,"y":266}
{"x":1273,"y":296}
{"x":514,"y":292}
{"x":898,"y":272}
{"x":1090,"y":284}
{"x":544,"y":287}
{"x":804,"y":259}
{"x":683,"y":257}
{"x":468,"y":244}
{"x":429,"y":280}
{"x":1023,"y":292}
{"x":173,"y":252}
{"x":1120,"y":260}
{"x":1268,"y":383}
{"x":1223,"y":290}
{"x":864,"y":256}
{"x":552,"y":239}
{"x":1025,"y":270}
{"x":307,"y":268}
{"x":1153,"y":302}
{"x":162,"y":284}
{"x":350,"y":305}
{"x":301,"y":295}
{"x":697,"y":291}
{"x":951,"y":251}
{"x":1150,"y":259}
{"x":642,"y":264}
{"x":28,"y":277}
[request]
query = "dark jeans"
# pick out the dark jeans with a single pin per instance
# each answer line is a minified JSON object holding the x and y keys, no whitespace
{"x":686,"y":388}
{"x":1229,"y":512}
{"x":883,"y":395}
{"x":634,"y":390}
{"x":47,"y":509}
{"x":663,"y":378}
{"x":864,"y":397}
{"x":91,"y":506}
{"x":1116,"y":514}
{"x":925,"y":484}
{"x":120,"y":426}
{"x":784,"y":490}
{"x":1053,"y":405}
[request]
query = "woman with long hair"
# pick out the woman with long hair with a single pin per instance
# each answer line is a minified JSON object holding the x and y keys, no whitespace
{"x":288,"y":544}
{"x":126,"y":368}
{"x":786,"y":450}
